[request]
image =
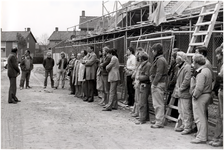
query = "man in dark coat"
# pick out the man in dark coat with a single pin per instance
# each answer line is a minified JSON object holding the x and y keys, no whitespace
{"x":13,"y":72}
{"x":48,"y":64}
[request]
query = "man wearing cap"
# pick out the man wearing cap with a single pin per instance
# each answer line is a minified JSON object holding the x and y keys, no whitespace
{"x":13,"y":72}
{"x":48,"y":64}
{"x":62,"y":64}
{"x":26,"y":66}
{"x":181,"y":91}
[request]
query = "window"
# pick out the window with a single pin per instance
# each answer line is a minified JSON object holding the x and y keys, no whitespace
{"x":28,"y":45}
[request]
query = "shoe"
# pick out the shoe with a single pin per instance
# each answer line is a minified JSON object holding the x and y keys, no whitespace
{"x":17,"y":100}
{"x":89,"y":101}
{"x":55,"y":88}
{"x":13,"y":102}
{"x":71,"y":93}
{"x":21,"y":88}
{"x":153,"y":122}
{"x":156,"y":126}
{"x":105,"y":106}
{"x":85,"y":99}
{"x":217,"y":143}
{"x":45,"y":87}
{"x":28,"y":87}
{"x":179,"y":129}
{"x":134,"y":115}
{"x":106,"y":109}
{"x":62,"y":87}
{"x":185,"y":132}
{"x":114,"y":108}
{"x":140,"y":122}
{"x":197,"y":141}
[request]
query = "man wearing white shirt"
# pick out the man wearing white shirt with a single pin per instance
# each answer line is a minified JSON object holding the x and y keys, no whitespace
{"x":129,"y":69}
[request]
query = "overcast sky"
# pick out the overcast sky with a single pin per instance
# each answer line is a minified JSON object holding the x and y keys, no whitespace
{"x":42,"y":16}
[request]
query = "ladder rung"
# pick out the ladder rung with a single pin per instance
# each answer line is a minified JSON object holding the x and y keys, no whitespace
{"x":173,"y":107}
{"x":207,"y":13}
{"x":211,"y":3}
{"x":196,"y":44}
{"x":200,"y":33}
{"x":204,"y":23}
{"x":171,"y":118}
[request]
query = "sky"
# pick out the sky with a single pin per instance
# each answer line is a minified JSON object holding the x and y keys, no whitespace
{"x":42,"y":16}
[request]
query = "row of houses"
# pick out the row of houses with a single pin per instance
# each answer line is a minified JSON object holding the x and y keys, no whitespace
{"x":10,"y":39}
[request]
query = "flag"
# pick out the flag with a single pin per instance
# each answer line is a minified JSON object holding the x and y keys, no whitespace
{"x":158,"y":16}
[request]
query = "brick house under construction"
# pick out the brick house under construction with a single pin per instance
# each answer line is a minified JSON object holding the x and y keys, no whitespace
{"x":143,"y":23}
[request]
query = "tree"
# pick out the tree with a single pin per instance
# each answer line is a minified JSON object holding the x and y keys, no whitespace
{"x":21,"y":43}
{"x":43,"y":40}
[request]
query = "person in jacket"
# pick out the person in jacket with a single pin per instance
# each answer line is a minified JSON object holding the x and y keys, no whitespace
{"x":48,"y":64}
{"x":75,"y":76}
{"x":181,"y":91}
{"x":142,"y":78}
{"x":113,"y":78}
{"x":158,"y":75}
{"x":90,"y":73}
{"x":70,"y":70}
{"x":13,"y":72}
{"x":129,"y":70}
{"x":201,"y":94}
{"x":218,"y":90}
{"x":62,"y":64}
{"x":26,"y":66}
{"x":104,"y":75}
{"x":81,"y":77}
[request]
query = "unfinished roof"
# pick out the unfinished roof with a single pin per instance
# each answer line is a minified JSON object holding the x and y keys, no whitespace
{"x":90,"y":24}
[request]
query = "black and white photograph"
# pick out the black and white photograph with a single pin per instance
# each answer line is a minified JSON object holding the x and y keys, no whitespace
{"x":106,"y":74}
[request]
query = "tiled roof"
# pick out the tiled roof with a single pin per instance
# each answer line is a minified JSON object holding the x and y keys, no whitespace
{"x":60,"y":35}
{"x":11,"y":36}
{"x":91,"y":24}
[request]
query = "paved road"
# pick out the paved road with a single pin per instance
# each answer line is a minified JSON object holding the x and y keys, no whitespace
{"x":53,"y":119}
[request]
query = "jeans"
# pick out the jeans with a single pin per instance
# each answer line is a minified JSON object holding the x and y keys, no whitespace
{"x":50,"y":72}
{"x":158,"y":93}
{"x":60,"y":74}
{"x":25,"y":76}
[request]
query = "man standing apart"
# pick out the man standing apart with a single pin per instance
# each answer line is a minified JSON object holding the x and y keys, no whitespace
{"x":26,"y":66}
{"x":62,"y":64}
{"x":48,"y":66}
{"x":90,"y":76}
{"x":158,"y":77}
{"x":13,"y":72}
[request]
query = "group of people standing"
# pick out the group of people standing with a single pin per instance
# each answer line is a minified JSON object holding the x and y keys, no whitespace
{"x":191,"y":81}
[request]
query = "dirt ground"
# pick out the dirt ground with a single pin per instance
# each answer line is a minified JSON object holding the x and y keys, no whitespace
{"x":53,"y":119}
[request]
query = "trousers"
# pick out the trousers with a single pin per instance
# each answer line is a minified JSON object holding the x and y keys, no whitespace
{"x":200,"y":118}
{"x":60,"y":74}
{"x":25,"y":77}
{"x":12,"y":90}
{"x":112,"y":95}
{"x":106,"y":87}
{"x":143,"y":105}
{"x":49,"y":72}
{"x":130,"y":91}
{"x":158,"y":93}
{"x":186,"y":114}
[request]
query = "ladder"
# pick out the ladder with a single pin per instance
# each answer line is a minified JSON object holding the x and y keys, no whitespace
{"x":169,"y":109}
{"x":201,"y":23}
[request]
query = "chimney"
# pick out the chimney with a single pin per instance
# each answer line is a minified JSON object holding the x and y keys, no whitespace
{"x":83,"y":13}
{"x":56,"y":28}
{"x":28,"y":29}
